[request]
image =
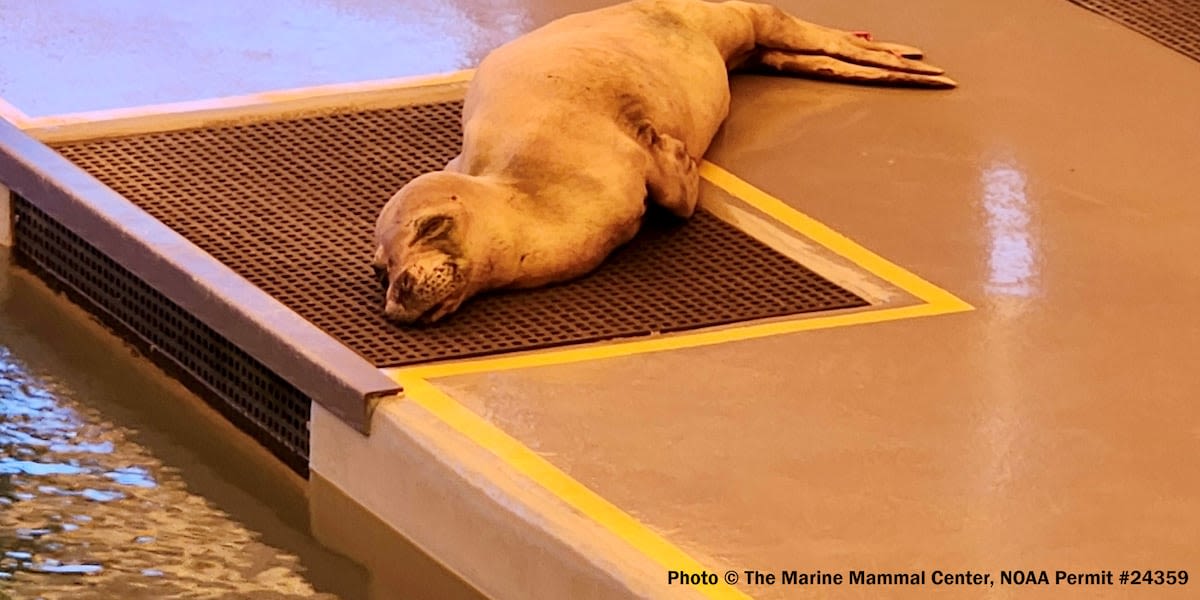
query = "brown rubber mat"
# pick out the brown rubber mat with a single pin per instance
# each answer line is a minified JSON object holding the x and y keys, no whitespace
{"x":291,"y":206}
{"x":1173,"y":23}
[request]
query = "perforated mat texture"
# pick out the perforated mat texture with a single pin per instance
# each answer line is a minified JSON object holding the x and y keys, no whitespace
{"x":1173,"y":23}
{"x":291,"y":206}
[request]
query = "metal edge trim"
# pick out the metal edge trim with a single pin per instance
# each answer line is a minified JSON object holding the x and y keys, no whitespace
{"x":308,"y":358}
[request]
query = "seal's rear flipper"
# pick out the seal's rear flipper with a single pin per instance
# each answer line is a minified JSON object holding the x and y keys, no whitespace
{"x":826,"y":67}
{"x":897,"y":49}
{"x":792,"y":45}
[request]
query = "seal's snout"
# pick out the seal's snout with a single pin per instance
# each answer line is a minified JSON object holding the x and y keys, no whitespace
{"x":401,"y":303}
{"x":421,"y":236}
{"x":395,"y":311}
{"x":424,"y":294}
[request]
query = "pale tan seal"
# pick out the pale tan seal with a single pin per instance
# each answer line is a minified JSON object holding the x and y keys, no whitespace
{"x":569,"y":129}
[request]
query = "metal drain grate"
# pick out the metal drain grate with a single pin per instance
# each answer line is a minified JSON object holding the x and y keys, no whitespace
{"x":291,"y":205}
{"x":1173,"y":23}
{"x":246,"y":391}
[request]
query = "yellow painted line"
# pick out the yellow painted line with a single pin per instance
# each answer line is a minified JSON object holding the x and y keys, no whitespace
{"x":668,"y":342}
{"x":826,"y":236}
{"x":936,"y":300}
{"x":420,"y":390}
{"x":563,"y":486}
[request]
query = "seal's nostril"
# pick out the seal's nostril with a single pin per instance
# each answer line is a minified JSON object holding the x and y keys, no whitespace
{"x":393,"y":310}
{"x":406,"y":281}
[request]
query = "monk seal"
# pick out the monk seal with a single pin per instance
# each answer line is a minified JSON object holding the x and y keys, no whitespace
{"x":570,"y":129}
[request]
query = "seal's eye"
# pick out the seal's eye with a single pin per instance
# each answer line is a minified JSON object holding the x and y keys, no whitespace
{"x":431,"y":227}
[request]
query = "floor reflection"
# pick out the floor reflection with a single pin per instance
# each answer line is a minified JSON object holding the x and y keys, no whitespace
{"x":1012,"y":251}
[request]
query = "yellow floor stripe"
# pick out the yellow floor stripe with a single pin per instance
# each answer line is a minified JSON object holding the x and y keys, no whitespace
{"x":826,"y":236}
{"x":574,"y":494}
{"x":936,"y":300}
{"x":418,"y":389}
{"x":666,"y":342}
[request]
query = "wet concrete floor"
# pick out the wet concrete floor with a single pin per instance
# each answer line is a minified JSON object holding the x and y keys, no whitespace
{"x":1053,"y":427}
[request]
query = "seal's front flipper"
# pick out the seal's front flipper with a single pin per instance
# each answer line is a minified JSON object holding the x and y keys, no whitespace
{"x":672,"y":177}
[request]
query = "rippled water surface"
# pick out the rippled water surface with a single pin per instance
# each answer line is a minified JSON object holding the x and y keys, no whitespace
{"x":84,"y":504}
{"x":99,"y":501}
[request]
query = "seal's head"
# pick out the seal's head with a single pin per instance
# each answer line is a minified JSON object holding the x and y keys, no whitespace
{"x":421,"y":255}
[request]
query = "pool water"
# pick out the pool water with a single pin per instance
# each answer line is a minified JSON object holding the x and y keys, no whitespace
{"x":115,"y":482}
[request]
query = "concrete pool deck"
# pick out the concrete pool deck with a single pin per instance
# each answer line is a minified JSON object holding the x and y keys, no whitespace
{"x":1050,"y":428}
